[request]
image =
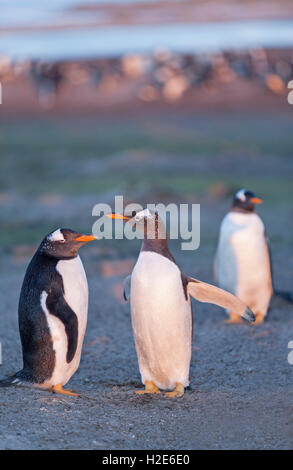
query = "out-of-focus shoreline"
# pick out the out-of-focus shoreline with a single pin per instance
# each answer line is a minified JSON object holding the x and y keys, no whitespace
{"x":160,"y":12}
{"x":20,"y":99}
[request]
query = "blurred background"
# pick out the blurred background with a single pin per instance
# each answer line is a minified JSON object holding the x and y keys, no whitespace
{"x":161,"y":101}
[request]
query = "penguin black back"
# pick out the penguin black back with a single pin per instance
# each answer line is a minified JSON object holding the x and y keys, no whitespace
{"x":37,"y":345}
{"x":43,"y":293}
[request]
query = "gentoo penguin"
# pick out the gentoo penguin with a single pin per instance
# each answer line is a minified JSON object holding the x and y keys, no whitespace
{"x":52,"y":313}
{"x":161,"y":309}
{"x":242,"y":263}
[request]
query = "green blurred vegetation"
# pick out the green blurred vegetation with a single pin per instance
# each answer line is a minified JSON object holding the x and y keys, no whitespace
{"x":79,"y":157}
{"x":62,"y":156}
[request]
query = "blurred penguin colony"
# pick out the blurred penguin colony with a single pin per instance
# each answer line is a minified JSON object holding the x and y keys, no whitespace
{"x":162,"y":75}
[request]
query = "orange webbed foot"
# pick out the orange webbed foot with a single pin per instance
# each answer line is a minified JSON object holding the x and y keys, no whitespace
{"x":59,"y":389}
{"x":178,"y":392}
{"x":259,"y":318}
{"x":233,"y":319}
{"x":150,"y":388}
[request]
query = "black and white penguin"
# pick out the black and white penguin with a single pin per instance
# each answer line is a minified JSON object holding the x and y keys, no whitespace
{"x":52,"y":313}
{"x":242,"y":263}
{"x":161,"y":309}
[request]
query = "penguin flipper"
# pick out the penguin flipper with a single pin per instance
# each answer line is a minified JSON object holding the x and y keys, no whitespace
{"x":208,"y":293}
{"x":58,"y":307}
{"x":126,"y":285}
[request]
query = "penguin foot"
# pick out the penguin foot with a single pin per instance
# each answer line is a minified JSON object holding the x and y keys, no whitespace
{"x":233,"y":319}
{"x":177,"y":392}
{"x":58,"y":389}
{"x":150,"y":388}
{"x":259,"y":318}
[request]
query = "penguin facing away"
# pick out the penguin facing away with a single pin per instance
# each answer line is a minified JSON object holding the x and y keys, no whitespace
{"x":161,"y":310}
{"x":52,"y":313}
{"x":242,"y":263}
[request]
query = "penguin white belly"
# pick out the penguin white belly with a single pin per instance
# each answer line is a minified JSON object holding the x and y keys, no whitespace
{"x":243,"y":260}
{"x":76,"y":296}
{"x":161,"y":320}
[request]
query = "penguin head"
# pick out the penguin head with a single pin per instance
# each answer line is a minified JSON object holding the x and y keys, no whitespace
{"x":63,"y":243}
{"x":246,"y":200}
{"x":147,"y":221}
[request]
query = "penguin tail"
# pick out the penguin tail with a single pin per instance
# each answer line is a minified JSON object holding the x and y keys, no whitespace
{"x":16,"y":379}
{"x":288,"y":296}
{"x":9,"y":381}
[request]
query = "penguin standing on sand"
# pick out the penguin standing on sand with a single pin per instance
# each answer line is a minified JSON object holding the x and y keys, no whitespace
{"x":242,"y":264}
{"x":161,"y":309}
{"x":52,"y":310}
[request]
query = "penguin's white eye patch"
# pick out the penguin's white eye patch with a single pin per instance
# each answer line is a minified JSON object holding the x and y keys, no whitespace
{"x":140,"y":215}
{"x":241,"y":195}
{"x":56,"y":236}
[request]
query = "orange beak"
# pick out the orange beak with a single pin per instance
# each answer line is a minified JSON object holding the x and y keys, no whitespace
{"x":117,"y":216}
{"x":85,"y":238}
{"x":256,"y":200}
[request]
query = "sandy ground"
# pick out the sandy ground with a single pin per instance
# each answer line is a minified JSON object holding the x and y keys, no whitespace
{"x":241,"y":381}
